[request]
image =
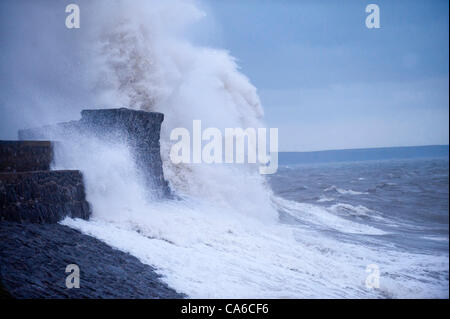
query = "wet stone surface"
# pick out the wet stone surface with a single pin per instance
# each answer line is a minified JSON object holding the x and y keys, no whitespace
{"x":22,"y":156}
{"x":139,"y":130}
{"x":43,"y":196}
{"x":33,"y":260}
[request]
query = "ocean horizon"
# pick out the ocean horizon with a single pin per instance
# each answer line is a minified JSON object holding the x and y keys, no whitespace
{"x":363,"y":154}
{"x":230,"y":150}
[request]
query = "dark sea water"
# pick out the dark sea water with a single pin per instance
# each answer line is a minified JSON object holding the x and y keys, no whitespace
{"x":406,"y":199}
{"x":321,"y":232}
{"x":409,"y":198}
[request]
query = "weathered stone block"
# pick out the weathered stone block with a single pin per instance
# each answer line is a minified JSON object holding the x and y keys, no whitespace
{"x":42,"y":197}
{"x":138,"y":129}
{"x":23,"y":156}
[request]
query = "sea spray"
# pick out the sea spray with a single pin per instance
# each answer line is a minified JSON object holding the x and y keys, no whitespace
{"x":223,"y":236}
{"x":148,"y":65}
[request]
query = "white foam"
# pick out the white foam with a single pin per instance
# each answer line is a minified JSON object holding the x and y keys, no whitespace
{"x":436,"y":238}
{"x":231,"y":258}
{"x":224,"y":238}
{"x":344,"y":191}
{"x":323,"y":199}
{"x":320,"y":216}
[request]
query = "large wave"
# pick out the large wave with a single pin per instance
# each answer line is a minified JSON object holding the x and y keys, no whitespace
{"x":146,"y":64}
{"x":224,"y":237}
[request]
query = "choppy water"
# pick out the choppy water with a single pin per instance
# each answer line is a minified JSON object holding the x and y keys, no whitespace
{"x":225,"y":237}
{"x":334,"y":221}
{"x":408,"y":199}
{"x":229,"y":235}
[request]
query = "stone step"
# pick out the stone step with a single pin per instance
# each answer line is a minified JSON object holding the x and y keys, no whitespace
{"x":25,"y":156}
{"x":42,"y":196}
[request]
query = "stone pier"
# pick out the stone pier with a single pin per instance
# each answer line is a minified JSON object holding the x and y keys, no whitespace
{"x":30,"y":192}
{"x":139,"y":130}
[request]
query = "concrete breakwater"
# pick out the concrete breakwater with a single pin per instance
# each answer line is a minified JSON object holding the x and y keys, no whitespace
{"x":25,"y":156}
{"x":35,"y":249}
{"x":139,"y":130}
{"x":34,"y":257}
{"x":30,"y":192}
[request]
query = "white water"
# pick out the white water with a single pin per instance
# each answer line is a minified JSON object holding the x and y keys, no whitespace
{"x":224,"y":238}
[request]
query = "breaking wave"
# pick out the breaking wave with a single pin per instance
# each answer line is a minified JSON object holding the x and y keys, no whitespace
{"x":341,"y":191}
{"x":225,"y":236}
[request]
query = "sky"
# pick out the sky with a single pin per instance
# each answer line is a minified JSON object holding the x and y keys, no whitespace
{"x":325,"y":80}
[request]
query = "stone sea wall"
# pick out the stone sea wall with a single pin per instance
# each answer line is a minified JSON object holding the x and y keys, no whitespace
{"x":30,"y":192}
{"x":33,"y":261}
{"x":42,"y":196}
{"x":139,"y":130}
{"x":35,"y":249}
{"x":25,"y":156}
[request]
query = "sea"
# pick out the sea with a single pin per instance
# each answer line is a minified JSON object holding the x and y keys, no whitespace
{"x":369,"y":223}
{"x":365,"y":226}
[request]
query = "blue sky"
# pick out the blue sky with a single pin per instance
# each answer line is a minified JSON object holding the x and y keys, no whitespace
{"x":325,"y":80}
{"x":328,"y":82}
